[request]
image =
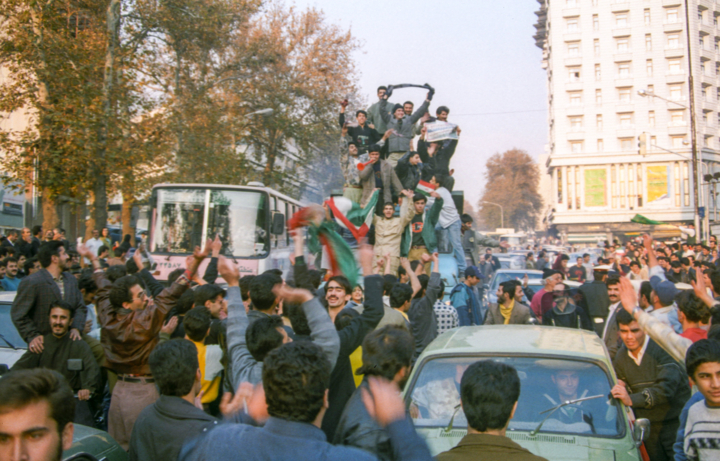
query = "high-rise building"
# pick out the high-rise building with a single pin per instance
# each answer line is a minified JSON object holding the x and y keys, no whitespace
{"x":617,"y":69}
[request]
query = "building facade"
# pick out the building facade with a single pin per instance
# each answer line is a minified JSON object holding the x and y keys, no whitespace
{"x":604,"y":60}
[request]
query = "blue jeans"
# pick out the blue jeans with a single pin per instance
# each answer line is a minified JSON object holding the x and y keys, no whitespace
{"x":453,"y":233}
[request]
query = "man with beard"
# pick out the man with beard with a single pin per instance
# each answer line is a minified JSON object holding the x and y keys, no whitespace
{"x":362,"y":135}
{"x":37,"y":292}
{"x":386,"y":353}
{"x":131,"y":323}
{"x":11,"y":281}
{"x":565,"y":313}
{"x":36,"y":412}
{"x":73,"y":359}
{"x":375,"y":118}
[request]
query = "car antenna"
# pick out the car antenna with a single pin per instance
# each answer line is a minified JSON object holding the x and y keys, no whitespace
{"x":7,"y":342}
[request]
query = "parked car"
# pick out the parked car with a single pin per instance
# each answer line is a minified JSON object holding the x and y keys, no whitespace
{"x":503,"y":275}
{"x":542,"y":423}
{"x":88,"y":443}
{"x":12,"y":346}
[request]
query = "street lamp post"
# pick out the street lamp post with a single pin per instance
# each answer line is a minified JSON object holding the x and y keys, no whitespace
{"x":502,"y":217}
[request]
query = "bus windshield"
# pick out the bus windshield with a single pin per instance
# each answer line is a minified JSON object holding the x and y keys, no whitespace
{"x":238,"y":216}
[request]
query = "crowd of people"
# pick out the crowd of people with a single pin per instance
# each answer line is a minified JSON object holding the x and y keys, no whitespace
{"x":308,"y":364}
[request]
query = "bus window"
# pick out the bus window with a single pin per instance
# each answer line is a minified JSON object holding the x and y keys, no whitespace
{"x":179,"y":220}
{"x":240,"y":218}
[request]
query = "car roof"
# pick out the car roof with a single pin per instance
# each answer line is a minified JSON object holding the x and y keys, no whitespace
{"x":519,"y":339}
{"x":529,"y":271}
{"x":7,"y":297}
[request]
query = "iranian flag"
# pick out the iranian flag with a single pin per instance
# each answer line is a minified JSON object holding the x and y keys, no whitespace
{"x":640,"y":219}
{"x":349,"y":215}
{"x":424,"y":188}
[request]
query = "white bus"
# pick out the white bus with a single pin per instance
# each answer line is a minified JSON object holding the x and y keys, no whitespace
{"x":249,"y":219}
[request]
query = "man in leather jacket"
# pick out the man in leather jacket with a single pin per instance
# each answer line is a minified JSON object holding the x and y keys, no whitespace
{"x":386,"y":352}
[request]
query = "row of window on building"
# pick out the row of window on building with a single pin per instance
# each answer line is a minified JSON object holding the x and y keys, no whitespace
{"x":625,"y":95}
{"x":626,"y":120}
{"x":672,"y":15}
{"x":673,"y":40}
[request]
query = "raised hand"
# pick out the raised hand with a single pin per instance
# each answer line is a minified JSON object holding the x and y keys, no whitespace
{"x":628,"y":297}
{"x":170,"y":326}
{"x":216,"y":246}
{"x":229,"y":272}
{"x":383,"y":402}
{"x":292,"y":295}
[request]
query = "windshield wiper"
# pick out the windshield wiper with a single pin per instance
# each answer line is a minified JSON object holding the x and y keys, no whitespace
{"x":7,"y":342}
{"x":552,"y":410}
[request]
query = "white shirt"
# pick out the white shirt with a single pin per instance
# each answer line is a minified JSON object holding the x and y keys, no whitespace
{"x":639,"y":358}
{"x":611,"y":311}
{"x":94,"y":245}
{"x":448,"y":214}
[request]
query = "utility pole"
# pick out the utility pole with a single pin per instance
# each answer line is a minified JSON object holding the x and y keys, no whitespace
{"x":693,"y":134}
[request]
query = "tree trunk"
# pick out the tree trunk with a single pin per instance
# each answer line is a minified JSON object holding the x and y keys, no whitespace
{"x":100,"y":201}
{"x":51,"y":219}
{"x":128,"y":196}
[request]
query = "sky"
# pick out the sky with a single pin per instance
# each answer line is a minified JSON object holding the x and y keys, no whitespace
{"x":480,"y":57}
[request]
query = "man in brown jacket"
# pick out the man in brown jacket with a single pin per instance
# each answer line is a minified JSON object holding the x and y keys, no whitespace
{"x":489,"y":392}
{"x":131,"y":324}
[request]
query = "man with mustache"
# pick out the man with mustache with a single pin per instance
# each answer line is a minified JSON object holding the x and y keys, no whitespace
{"x":72,"y":359}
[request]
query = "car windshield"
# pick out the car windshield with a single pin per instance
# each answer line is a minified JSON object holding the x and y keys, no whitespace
{"x":239,"y":217}
{"x":501,"y":277}
{"x":544,"y":383}
{"x":512,"y":262}
{"x":7,"y":329}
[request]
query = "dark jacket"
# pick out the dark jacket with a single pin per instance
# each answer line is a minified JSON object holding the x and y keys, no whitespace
{"x":283,"y":439}
{"x":658,"y":387}
{"x":357,"y":429}
{"x":572,"y":317}
{"x":342,"y":383}
{"x":596,"y":301}
{"x":162,"y":429}
{"x":55,"y":355}
{"x":37,"y":292}
{"x":408,"y":174}
{"x":423,"y":324}
{"x":441,"y":160}
{"x":363,"y":136}
{"x":484,"y":447}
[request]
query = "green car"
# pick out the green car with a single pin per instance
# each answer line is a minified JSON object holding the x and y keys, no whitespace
{"x":565,"y":411}
{"x":93,"y":445}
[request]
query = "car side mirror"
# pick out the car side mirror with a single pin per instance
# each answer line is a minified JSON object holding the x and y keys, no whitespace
{"x":486,"y":286}
{"x":278,"y":224}
{"x":641,"y":431}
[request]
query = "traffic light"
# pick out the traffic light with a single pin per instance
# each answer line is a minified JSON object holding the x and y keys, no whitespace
{"x":642,"y":144}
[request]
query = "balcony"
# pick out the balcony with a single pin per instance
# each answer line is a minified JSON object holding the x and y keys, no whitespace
{"x":677,"y":130}
{"x":619,"y":6}
{"x":572,"y":37}
{"x":677,"y":52}
{"x":707,"y":55}
{"x":624,"y":82}
{"x":573,"y":86}
{"x":621,"y":32}
{"x":707,"y":28}
{"x":626,"y":131}
{"x":622,"y":57}
{"x":672,"y":2}
{"x":570,"y":12}
{"x":625,"y":107}
{"x":676,"y":26}
{"x":576,"y":135}
{"x":573,"y":61}
{"x":678,"y":77}
{"x":708,"y":106}
{"x":571,"y":111}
